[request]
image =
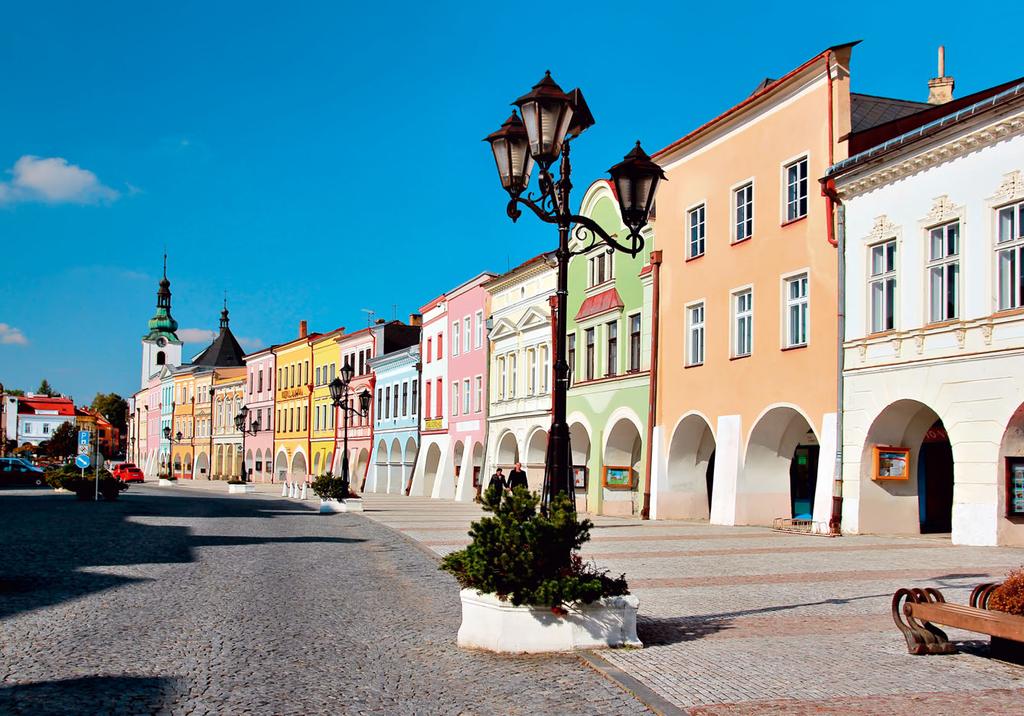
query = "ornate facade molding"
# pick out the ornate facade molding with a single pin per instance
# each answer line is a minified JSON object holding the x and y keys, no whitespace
{"x":1010,"y":189}
{"x":943,"y":210}
{"x":883,"y":228}
{"x":943,"y":152}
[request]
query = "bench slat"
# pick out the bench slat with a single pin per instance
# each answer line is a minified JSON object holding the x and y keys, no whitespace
{"x":983,"y":621}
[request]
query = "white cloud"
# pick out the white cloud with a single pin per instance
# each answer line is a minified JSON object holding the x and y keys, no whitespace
{"x":53,"y":180}
{"x":196,"y":335}
{"x":12,"y":336}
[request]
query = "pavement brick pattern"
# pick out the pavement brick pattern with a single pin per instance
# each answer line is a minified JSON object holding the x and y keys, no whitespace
{"x":184,"y":601}
{"x":739,"y":620}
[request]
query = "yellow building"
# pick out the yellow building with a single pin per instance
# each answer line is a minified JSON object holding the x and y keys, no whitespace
{"x":292,"y":403}
{"x":202,"y":414}
{"x":183,"y":450}
{"x":326,"y":363}
{"x":227,"y":399}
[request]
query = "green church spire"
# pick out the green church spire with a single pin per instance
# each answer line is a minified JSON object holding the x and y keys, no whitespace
{"x":162,"y":323}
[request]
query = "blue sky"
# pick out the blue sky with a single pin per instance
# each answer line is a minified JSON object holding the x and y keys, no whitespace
{"x":321,"y":159}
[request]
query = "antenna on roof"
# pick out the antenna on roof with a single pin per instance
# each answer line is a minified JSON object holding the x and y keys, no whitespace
{"x":369,"y":316}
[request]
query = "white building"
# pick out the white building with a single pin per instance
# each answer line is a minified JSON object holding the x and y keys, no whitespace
{"x":933,"y":435}
{"x":434,"y":474}
{"x":519,"y":409}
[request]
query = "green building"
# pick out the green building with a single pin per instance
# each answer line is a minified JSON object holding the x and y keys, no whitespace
{"x":609,"y":354}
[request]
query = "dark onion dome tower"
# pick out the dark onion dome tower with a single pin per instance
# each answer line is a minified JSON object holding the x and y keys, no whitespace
{"x":161,"y":346}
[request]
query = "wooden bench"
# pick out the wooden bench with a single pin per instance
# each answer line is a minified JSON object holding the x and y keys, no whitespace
{"x":922,"y":609}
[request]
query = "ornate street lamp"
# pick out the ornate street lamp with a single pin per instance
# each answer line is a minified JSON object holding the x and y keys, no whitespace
{"x":240,"y":426}
{"x":551,"y":119}
{"x":339,"y":397}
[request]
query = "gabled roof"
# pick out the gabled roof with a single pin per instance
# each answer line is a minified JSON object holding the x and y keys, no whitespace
{"x":30,"y":406}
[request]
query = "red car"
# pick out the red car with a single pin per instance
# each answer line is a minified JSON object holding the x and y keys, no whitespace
{"x":127,"y":472}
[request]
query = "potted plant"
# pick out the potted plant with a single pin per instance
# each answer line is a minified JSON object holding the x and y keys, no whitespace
{"x":70,"y":478}
{"x":335,"y":494}
{"x":525,"y":587}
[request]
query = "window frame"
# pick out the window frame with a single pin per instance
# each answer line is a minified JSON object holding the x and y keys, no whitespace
{"x":784,"y":183}
{"x":788,"y":304}
{"x":700,"y":207}
{"x":882,"y":278}
{"x":1014,"y":245}
{"x":742,"y":321}
{"x":693,"y":328}
{"x":734,"y":205}
{"x":943,"y":264}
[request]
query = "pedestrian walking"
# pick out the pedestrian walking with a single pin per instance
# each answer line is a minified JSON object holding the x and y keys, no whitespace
{"x":517,"y":478}
{"x":497,"y":481}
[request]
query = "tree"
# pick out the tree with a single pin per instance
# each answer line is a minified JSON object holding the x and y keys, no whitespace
{"x":64,"y":441}
{"x":45,"y":389}
{"x":112,"y":407}
{"x":14,"y":391}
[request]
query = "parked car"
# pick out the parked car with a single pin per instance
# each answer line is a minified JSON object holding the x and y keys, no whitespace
{"x":17,"y":472}
{"x":128,"y":472}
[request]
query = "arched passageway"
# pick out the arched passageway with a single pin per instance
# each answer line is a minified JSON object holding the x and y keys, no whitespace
{"x":202,"y":466}
{"x":507,"y":453}
{"x":430,"y":468}
{"x":458,"y":454}
{"x":393,"y":479}
{"x":299,"y":471}
{"x":409,"y":457}
{"x":622,"y":467}
{"x":281,"y":467}
{"x":780,"y":469}
{"x":380,"y":467}
{"x":691,"y":470}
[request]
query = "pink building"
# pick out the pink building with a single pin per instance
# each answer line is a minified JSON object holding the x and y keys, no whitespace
{"x":154,"y":426}
{"x":454,"y":416}
{"x":259,"y":398}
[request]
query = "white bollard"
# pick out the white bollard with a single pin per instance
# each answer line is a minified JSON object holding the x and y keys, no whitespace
{"x":303,"y":491}
{"x":284,"y":489}
{"x":294,"y":491}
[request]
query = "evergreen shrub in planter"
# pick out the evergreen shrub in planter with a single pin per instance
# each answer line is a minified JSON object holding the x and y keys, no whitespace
{"x":70,"y":478}
{"x":525,"y":586}
{"x":332,"y":487}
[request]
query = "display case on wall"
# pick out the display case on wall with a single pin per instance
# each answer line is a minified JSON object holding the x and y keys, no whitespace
{"x":1015,"y":487}
{"x":891,"y":463}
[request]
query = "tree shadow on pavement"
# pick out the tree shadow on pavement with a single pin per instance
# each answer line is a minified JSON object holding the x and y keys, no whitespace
{"x":89,"y":694}
{"x":52,"y":540}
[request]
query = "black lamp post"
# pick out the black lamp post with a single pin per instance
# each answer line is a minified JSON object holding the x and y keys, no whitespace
{"x":240,"y":426}
{"x":339,"y":396}
{"x":551,"y":119}
{"x":175,"y":440}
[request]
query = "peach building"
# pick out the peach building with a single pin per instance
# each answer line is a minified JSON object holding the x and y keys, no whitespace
{"x":746,"y":409}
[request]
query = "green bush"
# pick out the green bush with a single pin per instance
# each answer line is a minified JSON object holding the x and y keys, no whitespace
{"x":70,"y":478}
{"x":526,"y":557}
{"x":331,"y":487}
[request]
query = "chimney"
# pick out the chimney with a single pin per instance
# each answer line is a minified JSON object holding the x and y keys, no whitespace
{"x":940,"y":89}
{"x":302,"y":329}
{"x":379,"y":322}
{"x":415,"y":319}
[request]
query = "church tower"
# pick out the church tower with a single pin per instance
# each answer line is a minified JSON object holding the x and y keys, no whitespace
{"x":160,"y":346}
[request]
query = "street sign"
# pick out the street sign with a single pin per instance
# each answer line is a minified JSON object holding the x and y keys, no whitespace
{"x":83,"y":461}
{"x":83,"y":442}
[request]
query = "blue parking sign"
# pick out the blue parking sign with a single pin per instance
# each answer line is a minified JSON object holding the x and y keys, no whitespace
{"x":83,"y":461}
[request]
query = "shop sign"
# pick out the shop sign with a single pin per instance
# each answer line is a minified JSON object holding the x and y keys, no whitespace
{"x":433,"y":424}
{"x":290,"y":393}
{"x":891,"y":463}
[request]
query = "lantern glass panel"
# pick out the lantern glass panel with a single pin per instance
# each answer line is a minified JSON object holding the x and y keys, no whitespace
{"x":336,"y":389}
{"x":346,"y":372}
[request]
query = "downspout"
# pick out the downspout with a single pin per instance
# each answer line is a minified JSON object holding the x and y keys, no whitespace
{"x":652,"y":395}
{"x":836,"y":521}
{"x":830,"y":196}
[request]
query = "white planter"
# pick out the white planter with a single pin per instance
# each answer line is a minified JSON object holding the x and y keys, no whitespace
{"x":495,"y":625}
{"x":240,"y":489}
{"x":330,"y":507}
{"x":167,"y":483}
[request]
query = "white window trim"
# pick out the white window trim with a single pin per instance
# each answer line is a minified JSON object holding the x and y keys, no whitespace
{"x":733,"y":317}
{"x":686,"y":328}
{"x":686,"y":229}
{"x":732,"y":210}
{"x":869,"y":279}
{"x":783,"y":186}
{"x":929,"y":264}
{"x":784,"y":280}
{"x":997,"y":248}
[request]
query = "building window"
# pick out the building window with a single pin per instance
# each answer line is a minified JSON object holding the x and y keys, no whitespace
{"x":413,"y":405}
{"x":743,"y":322}
{"x":439,"y":412}
{"x":882,"y":286}
{"x":479,"y":328}
{"x":513,"y":375}
{"x":570,"y":354}
{"x":479,"y":393}
{"x":531,"y":371}
{"x":466,"y":328}
{"x":440,"y":346}
{"x":695,"y":334}
{"x":743,"y":207}
{"x":501,"y":378}
{"x":944,"y":272}
{"x":1010,"y":256}
{"x":387,"y":403}
{"x":334,"y":367}
{"x":612,"y":359}
{"x":405,"y":399}
{"x":545,"y":369}
{"x":455,"y":395}
{"x":465,"y":396}
{"x":601,"y":268}
{"x":455,"y":338}
{"x":695,"y":229}
{"x":796,"y":311}
{"x":260,"y":382}
{"x":363,"y":355}
{"x":317,"y":375}
{"x":430,"y":349}
{"x":590,"y":338}
{"x":634,"y":343}
{"x":426,"y":400}
{"x":796,"y":189}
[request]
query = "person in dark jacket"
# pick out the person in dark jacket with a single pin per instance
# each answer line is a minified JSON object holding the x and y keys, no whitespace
{"x":497,"y":481}
{"x":517,"y":478}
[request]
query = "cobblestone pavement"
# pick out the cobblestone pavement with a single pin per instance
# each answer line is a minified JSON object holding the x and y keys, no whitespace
{"x":187,"y":601}
{"x":739,"y":620}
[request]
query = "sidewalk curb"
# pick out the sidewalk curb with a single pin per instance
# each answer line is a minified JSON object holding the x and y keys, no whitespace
{"x":631,"y":685}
